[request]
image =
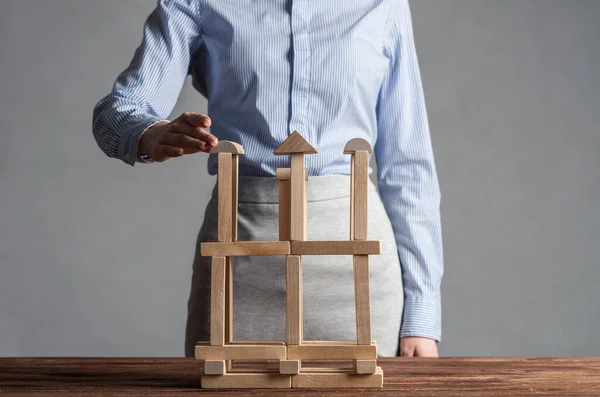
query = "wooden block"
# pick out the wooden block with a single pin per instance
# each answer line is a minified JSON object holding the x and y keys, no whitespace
{"x":225,"y":187}
{"x":284,"y":174}
{"x":227,"y":147}
{"x":214,"y":367}
{"x":331,"y":342}
{"x":341,"y":247}
{"x":352,"y":175}
{"x":337,"y":380}
{"x":305,"y":210}
{"x":289,"y":367}
{"x":240,"y":352}
{"x":247,"y":381}
{"x":217,"y":301}
{"x":245,"y":248}
{"x":257,"y":342}
{"x":298,"y":196}
{"x":235,"y":165}
{"x":229,"y":302}
{"x":331,"y":352}
{"x":362,"y":299}
{"x":293,"y":300}
{"x":357,"y":144}
{"x":295,"y":143}
{"x":285,"y":206}
{"x":366,"y":366}
{"x":361,"y":185}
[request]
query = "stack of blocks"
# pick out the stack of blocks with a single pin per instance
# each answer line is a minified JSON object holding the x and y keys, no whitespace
{"x":220,"y":353}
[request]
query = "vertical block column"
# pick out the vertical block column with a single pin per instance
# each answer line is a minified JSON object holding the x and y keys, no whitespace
{"x":294,"y":300}
{"x":217,"y":301}
{"x":359,"y":183}
{"x":298,"y":197}
{"x":285,"y":205}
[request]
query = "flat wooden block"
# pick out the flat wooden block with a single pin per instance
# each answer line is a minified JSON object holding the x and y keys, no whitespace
{"x":217,"y":301}
{"x":214,"y":367}
{"x":247,"y":381}
{"x":363,"y":247}
{"x":245,"y":248}
{"x":289,"y":367}
{"x":366,"y":366}
{"x":240,"y":352}
{"x":331,"y":352}
{"x":337,"y":380}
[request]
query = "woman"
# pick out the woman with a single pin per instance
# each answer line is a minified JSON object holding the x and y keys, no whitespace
{"x":333,"y":71}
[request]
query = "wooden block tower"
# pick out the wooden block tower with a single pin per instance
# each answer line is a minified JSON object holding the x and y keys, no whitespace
{"x":254,"y":360}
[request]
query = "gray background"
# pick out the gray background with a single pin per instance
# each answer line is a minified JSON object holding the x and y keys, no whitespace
{"x":96,"y":256}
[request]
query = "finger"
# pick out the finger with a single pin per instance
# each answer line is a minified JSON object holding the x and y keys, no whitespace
{"x":194,"y":132}
{"x":407,"y":350}
{"x":165,"y":151}
{"x":427,"y":349}
{"x":196,"y":119}
{"x":183,"y":141}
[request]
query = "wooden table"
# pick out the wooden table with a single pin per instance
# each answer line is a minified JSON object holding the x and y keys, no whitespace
{"x":406,"y":377}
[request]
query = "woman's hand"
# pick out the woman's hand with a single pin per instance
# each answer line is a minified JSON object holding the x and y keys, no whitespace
{"x":416,"y":346}
{"x":184,"y":135}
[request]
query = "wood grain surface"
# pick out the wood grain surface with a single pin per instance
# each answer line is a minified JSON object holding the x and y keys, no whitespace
{"x":407,"y":377}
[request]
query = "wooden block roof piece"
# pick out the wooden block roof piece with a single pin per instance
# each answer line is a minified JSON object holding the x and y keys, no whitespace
{"x":295,"y":143}
{"x":357,"y":144}
{"x":227,"y":147}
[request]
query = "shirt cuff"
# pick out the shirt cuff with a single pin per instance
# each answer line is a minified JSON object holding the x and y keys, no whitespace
{"x":129,"y":145}
{"x":422,"y":317}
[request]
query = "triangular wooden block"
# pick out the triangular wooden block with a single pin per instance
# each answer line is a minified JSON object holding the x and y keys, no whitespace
{"x":295,"y":143}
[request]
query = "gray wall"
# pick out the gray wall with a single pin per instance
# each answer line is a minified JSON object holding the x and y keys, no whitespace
{"x":95,"y":256}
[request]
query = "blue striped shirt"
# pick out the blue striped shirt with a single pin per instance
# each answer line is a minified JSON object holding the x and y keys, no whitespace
{"x":333,"y":70}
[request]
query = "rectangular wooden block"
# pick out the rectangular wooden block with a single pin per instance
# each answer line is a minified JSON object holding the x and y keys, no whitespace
{"x":217,"y":301}
{"x":225,"y":192}
{"x":240,"y":352}
{"x":341,"y":247}
{"x":214,"y":367}
{"x":228,"y":301}
{"x":235,"y":165}
{"x":361,"y":184}
{"x":285,"y":208}
{"x":362,"y":299}
{"x":289,"y":367}
{"x":284,"y":174}
{"x":352,"y":175}
{"x":366,"y":366}
{"x":331,"y":352}
{"x":245,"y":248}
{"x":298,"y":226}
{"x":337,"y":380}
{"x":293,"y":300}
{"x":247,"y":381}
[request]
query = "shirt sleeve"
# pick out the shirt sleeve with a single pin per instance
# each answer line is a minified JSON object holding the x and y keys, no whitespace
{"x":408,"y":180}
{"x":146,"y":92}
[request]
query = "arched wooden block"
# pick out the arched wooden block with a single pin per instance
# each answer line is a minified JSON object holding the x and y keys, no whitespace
{"x":227,"y":147}
{"x":357,"y":144}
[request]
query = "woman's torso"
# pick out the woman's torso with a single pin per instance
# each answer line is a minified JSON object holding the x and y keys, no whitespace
{"x":271,"y":67}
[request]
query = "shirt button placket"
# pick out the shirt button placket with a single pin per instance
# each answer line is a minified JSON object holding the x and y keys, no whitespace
{"x":301,"y":68}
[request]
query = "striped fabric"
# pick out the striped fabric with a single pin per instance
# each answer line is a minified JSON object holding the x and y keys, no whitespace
{"x":333,"y":70}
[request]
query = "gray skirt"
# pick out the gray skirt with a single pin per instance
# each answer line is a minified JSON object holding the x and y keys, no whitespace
{"x":328,"y":286}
